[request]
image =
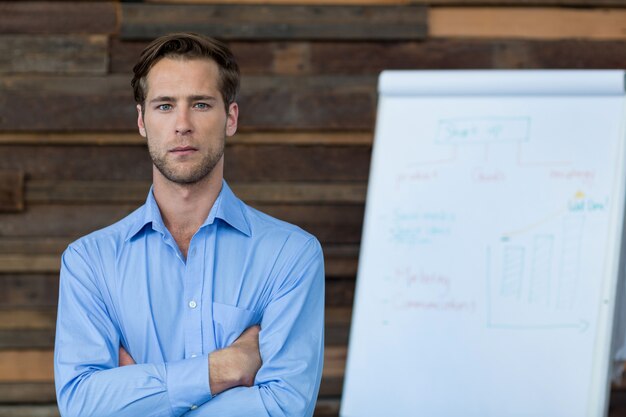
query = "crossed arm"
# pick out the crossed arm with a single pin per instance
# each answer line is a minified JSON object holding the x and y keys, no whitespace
{"x":230,"y":367}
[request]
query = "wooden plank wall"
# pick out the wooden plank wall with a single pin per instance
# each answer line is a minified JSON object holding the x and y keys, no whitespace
{"x":71,"y":162}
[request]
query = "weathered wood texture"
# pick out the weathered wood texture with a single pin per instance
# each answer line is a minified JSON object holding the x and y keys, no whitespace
{"x":363,"y":58}
{"x":105,"y":103}
{"x":11,"y":190}
{"x":29,"y":17}
{"x":527,"y":22}
{"x":66,"y":54}
{"x":261,"y":22}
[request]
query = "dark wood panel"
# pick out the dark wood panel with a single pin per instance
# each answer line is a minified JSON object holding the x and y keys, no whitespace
{"x":57,"y":17}
{"x":27,"y":339}
{"x":64,"y":103}
{"x":29,"y":290}
{"x":339,"y":292}
{"x":65,"y":54}
{"x":29,"y":411}
{"x":244,"y":163}
{"x":580,"y":54}
{"x":325,"y":102}
{"x":11,"y":191}
{"x":368,"y":57}
{"x":252,"y":57}
{"x":330,"y":224}
{"x":143,"y":21}
{"x":105,"y":103}
{"x":27,"y":392}
{"x":371,"y":58}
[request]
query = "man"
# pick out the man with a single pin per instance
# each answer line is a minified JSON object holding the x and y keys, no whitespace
{"x":216,"y":308}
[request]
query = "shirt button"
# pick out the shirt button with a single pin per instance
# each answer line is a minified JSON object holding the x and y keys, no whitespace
{"x":194,"y":355}
{"x":192,"y":304}
{"x":193,"y":252}
{"x":193,"y":407}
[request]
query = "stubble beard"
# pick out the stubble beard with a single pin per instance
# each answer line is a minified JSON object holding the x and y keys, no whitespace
{"x":186,"y":177}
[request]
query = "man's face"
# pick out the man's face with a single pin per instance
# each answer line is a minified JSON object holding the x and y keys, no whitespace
{"x":184,"y":119}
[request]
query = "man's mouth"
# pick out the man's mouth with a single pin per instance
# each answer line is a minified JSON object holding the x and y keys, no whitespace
{"x":183,"y":150}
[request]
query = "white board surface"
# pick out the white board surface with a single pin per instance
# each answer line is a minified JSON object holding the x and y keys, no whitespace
{"x":490,"y":252}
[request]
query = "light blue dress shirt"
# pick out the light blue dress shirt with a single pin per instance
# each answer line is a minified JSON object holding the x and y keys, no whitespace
{"x":129,"y":284}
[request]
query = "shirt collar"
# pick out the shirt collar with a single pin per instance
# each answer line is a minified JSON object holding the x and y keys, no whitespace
{"x":227,"y":207}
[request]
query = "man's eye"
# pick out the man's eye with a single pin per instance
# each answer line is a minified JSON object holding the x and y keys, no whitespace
{"x":202,"y":106}
{"x":164,"y":107}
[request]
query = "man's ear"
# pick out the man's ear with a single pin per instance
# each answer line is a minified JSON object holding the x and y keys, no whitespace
{"x":140,"y":124}
{"x":231,"y":119}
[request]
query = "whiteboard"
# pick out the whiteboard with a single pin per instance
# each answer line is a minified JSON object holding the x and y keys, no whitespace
{"x":489,"y":259}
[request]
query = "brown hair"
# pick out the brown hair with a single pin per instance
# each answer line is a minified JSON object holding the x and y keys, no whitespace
{"x":187,"y":46}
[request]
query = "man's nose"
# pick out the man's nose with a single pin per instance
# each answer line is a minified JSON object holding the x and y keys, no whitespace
{"x":183,"y":122}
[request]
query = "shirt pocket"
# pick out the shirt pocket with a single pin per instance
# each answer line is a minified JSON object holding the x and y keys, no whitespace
{"x":230,"y":321}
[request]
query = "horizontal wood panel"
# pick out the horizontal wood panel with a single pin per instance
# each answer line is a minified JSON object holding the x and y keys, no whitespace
{"x":315,"y":58}
{"x":57,"y":17}
{"x":262,"y":163}
{"x":252,"y":57}
{"x":27,"y":392}
{"x":363,"y":58}
{"x":64,"y":54}
{"x":11,"y":191}
{"x":51,"y":192}
{"x":37,"y":290}
{"x":106,"y":104}
{"x":134,"y":139}
{"x":258,"y":21}
{"x":527,"y":22}
{"x":49,"y":410}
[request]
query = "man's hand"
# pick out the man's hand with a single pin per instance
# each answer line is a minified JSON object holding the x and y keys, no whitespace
{"x":125,"y":358}
{"x":237,"y":364}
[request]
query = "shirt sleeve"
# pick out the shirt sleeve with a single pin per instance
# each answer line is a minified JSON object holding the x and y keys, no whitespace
{"x":291,"y":342}
{"x":86,"y":357}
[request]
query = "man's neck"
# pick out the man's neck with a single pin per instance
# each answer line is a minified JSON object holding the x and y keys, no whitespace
{"x":184,"y":207}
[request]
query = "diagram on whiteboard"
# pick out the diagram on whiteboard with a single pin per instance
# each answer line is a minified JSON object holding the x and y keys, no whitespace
{"x":531,"y":271}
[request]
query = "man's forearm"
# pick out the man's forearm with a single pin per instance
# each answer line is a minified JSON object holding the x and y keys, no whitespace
{"x":237,"y":364}
{"x":150,"y":390}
